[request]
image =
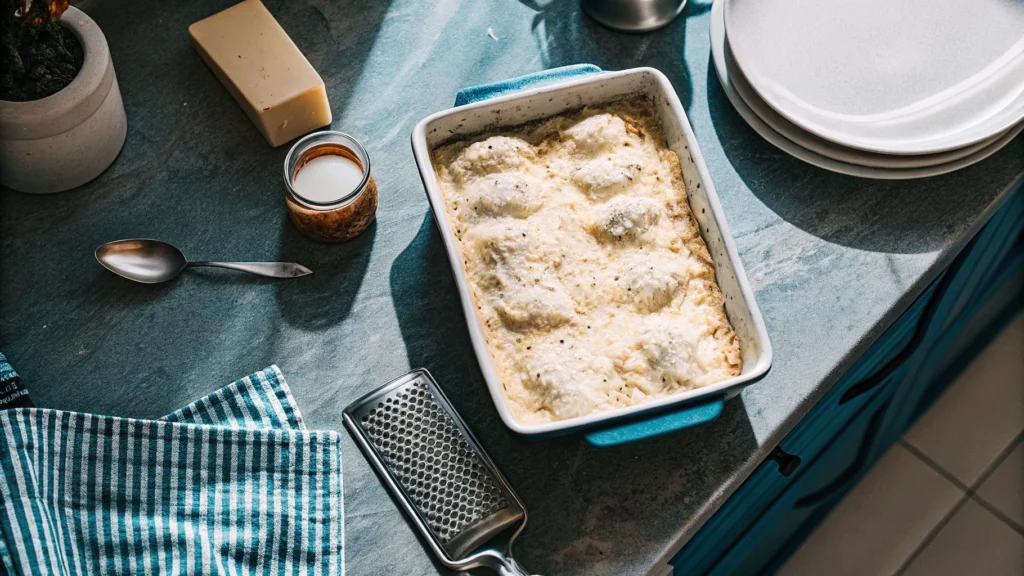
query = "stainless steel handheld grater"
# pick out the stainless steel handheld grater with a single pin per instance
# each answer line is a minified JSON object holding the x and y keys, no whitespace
{"x":438,"y":472}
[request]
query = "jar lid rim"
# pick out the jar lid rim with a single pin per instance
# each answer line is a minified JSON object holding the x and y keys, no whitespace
{"x":355,"y":145}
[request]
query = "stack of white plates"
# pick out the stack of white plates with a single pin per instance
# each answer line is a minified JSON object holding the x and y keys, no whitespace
{"x":875,"y":88}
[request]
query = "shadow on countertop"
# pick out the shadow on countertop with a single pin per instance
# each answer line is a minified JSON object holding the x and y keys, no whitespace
{"x":430,"y":317}
{"x":576,"y":501}
{"x":890,"y":216}
{"x":566,"y":35}
{"x":324,"y":298}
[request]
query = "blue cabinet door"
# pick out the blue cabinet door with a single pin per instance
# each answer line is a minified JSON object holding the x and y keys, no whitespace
{"x":785,"y":524}
{"x":973,"y":277}
{"x":994,"y":309}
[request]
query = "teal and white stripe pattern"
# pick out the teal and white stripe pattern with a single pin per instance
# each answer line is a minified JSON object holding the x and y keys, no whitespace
{"x":232,"y":484}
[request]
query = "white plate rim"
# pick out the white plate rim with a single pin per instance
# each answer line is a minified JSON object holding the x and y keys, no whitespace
{"x":829,"y":148}
{"x":996,"y":125}
{"x":815,"y":158}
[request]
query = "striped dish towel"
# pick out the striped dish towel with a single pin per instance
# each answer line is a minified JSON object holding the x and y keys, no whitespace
{"x":231,"y":484}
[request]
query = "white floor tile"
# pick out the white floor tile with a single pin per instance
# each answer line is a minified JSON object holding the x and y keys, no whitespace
{"x":973,"y":542}
{"x":1004,"y":489}
{"x":981,"y":413}
{"x":880,"y":523}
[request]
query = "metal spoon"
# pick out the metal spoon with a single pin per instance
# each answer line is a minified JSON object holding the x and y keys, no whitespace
{"x":153,"y":261}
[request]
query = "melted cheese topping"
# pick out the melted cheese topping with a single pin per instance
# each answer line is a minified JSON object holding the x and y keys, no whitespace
{"x":586,"y":266}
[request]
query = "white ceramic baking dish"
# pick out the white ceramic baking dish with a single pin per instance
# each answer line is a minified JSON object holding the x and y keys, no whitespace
{"x":651,"y":418}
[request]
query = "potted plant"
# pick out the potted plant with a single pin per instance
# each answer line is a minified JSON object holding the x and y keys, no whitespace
{"x":62,"y":120}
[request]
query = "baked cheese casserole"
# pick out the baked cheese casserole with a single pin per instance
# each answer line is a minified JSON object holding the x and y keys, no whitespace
{"x":585,"y":263}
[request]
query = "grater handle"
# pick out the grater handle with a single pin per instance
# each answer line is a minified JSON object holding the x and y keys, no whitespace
{"x":509,"y":567}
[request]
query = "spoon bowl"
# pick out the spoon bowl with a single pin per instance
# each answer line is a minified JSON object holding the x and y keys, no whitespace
{"x":153,"y":261}
{"x":142,"y":260}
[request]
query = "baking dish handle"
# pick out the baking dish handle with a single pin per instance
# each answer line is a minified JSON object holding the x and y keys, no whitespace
{"x":691,"y":415}
{"x":485,"y":91}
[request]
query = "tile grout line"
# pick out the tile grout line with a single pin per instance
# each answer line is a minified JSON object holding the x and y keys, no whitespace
{"x":991,"y":468}
{"x":985,"y":476}
{"x":985,"y":473}
{"x":969,"y":493}
{"x":933,"y":465}
{"x":998,"y":514}
{"x":932,"y":534}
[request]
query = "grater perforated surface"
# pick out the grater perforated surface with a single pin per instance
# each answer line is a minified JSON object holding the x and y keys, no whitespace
{"x":430,"y":457}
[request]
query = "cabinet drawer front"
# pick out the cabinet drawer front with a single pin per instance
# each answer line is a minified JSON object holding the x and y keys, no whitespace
{"x":782,"y":528}
{"x":965,"y":338}
{"x":995,"y":246}
{"x":868,"y":377}
{"x":752,"y":505}
{"x":972,"y":277}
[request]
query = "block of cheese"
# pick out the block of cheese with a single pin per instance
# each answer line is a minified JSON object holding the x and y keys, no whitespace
{"x":264,"y":70}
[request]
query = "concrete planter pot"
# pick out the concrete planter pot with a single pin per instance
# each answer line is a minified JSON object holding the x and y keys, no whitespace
{"x":67,"y":139}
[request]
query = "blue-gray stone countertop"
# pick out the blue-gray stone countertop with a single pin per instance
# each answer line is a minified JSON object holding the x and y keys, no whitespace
{"x":833,"y":261}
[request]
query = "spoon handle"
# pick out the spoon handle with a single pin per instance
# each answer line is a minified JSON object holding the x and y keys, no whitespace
{"x":270,"y":269}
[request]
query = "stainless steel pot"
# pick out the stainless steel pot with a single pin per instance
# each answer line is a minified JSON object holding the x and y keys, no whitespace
{"x":633,"y":15}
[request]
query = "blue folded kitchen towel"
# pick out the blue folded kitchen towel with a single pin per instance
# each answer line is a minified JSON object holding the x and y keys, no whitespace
{"x":233,"y":483}
{"x":13,"y":393}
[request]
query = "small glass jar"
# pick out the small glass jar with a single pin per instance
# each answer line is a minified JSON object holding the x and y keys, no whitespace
{"x":330,"y":219}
